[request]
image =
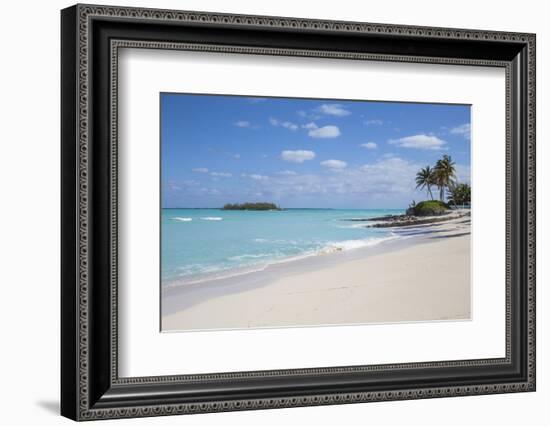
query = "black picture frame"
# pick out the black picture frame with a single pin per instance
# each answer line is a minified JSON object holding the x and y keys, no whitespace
{"x":90,"y":386}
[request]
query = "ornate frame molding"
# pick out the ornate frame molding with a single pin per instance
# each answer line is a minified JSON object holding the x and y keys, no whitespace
{"x":80,"y":19}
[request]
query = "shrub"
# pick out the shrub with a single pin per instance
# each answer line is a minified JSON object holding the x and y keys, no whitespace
{"x":460,"y":194}
{"x":430,"y":208}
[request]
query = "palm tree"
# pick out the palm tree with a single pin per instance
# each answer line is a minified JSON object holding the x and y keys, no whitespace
{"x":444,"y":175}
{"x":425,"y":179}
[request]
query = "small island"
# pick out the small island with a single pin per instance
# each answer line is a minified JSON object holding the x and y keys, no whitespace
{"x":251,"y":206}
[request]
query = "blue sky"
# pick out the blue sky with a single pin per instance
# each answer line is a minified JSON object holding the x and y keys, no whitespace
{"x":304,"y":152}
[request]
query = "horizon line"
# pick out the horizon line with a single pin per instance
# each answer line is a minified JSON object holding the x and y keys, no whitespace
{"x":290,"y":208}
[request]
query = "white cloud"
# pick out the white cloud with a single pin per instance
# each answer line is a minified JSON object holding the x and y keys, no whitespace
{"x":289,"y":125}
{"x":286,"y":124}
{"x":173,"y":186}
{"x":209,"y":191}
{"x":385,"y":165}
{"x":258,"y":177}
{"x":242,"y":123}
{"x":378,"y":182}
{"x":221,"y":174}
{"x":310,"y":126}
{"x":463,"y":173}
{"x":236,"y":156}
{"x":374,"y":122}
{"x":336,"y":110}
{"x":390,"y":174}
{"x":421,"y":141}
{"x":254,"y":176}
{"x":388,"y":179}
{"x":383,"y":181}
{"x":463,"y":129}
{"x":200,"y":170}
{"x":369,"y":145}
{"x":298,"y":156}
{"x":334,"y":164}
{"x":308,"y":115}
{"x":325,"y":132}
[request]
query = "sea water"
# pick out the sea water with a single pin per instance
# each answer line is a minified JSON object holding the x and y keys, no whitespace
{"x":200,"y":244}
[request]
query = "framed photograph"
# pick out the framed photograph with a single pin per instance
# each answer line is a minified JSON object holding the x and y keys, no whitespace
{"x":264,"y":212}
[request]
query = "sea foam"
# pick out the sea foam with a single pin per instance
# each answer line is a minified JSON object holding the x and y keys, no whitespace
{"x":195,"y":274}
{"x":354,"y":244}
{"x":249,"y":256}
{"x":182,"y":219}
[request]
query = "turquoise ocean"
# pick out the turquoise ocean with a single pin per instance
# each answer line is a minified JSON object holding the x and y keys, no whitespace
{"x":202,"y":244}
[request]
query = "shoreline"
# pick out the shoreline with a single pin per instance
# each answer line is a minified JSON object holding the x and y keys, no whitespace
{"x":327,"y":250}
{"x":393,"y":221}
{"x":241,"y":301}
{"x":388,"y":222}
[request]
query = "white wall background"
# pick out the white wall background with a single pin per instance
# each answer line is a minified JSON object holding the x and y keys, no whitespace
{"x":29,"y":211}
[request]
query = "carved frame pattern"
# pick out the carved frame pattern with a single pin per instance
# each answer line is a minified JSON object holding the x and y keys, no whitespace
{"x":85,"y":13}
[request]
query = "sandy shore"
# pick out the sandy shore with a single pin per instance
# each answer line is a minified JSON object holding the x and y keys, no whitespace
{"x":424,"y":276}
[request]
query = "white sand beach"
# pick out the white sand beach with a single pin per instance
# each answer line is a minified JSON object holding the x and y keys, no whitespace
{"x":424,"y":276}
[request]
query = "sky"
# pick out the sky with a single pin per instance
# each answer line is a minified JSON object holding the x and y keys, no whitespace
{"x":314,"y":153}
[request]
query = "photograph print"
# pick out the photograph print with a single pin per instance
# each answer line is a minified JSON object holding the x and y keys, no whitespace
{"x":291,"y":212}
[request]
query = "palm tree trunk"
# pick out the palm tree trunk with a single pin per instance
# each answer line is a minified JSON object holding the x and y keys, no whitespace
{"x":441,"y":190}
{"x":430,"y":192}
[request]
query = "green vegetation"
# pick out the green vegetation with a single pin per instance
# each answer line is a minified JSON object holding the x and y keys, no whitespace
{"x":251,"y":206}
{"x":460,"y":194}
{"x":425,"y":179}
{"x":442,"y":175}
{"x":430,"y":208}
